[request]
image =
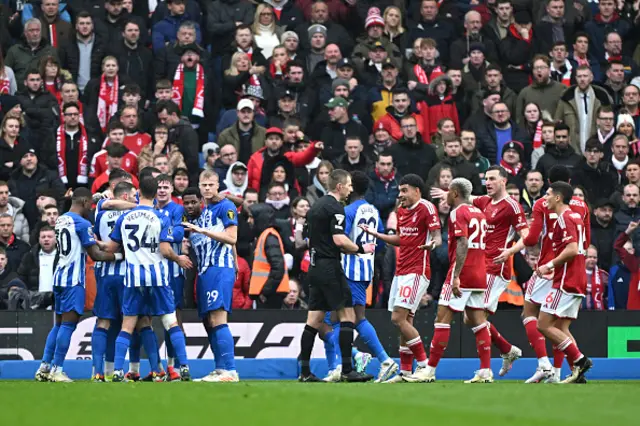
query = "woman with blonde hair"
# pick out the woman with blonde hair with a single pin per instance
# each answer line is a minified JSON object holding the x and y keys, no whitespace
{"x":393,"y":29}
{"x":266,"y":33}
{"x":240,"y":75}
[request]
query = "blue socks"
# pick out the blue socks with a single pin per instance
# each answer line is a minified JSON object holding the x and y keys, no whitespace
{"x":176,"y":336}
{"x":150,"y":344}
{"x":122,"y":345}
{"x":50,"y":345}
{"x":215,"y":348}
{"x":370,"y":338}
{"x":134,"y":346}
{"x":98,"y":348}
{"x":63,"y":340}
{"x":330,"y":350}
{"x":226,"y":346}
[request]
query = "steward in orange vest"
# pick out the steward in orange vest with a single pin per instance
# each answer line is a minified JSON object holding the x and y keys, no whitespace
{"x":269,"y":278}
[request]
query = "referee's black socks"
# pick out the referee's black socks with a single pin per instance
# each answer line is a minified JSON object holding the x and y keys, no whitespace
{"x":346,"y":343}
{"x":306,"y":346}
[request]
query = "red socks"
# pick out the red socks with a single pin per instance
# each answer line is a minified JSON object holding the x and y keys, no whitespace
{"x":417,"y":348}
{"x":483,"y":343}
{"x":536,"y":339}
{"x":406,"y":359}
{"x":439,"y":343}
{"x":499,"y":341}
{"x":571,"y":351}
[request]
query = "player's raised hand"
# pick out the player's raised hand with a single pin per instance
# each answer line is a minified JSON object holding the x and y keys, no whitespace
{"x":184,"y":262}
{"x":456,"y":287}
{"x":502,"y":257}
{"x":192,"y":227}
{"x":429,"y":246}
{"x":438,"y":193}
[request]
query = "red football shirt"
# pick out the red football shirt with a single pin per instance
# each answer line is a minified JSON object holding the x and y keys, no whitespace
{"x":543,"y":221}
{"x":99,"y":163}
{"x":571,"y":277}
{"x":414,"y":228}
{"x":505,"y":219}
{"x":134,"y":142}
{"x":468,"y":221}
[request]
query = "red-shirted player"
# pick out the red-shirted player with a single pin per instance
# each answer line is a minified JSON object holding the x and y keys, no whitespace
{"x":418,"y":232}
{"x":541,"y":231}
{"x":505,"y":218}
{"x":563,"y":302}
{"x":465,"y":285}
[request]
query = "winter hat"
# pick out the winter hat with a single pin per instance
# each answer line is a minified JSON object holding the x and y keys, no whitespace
{"x":373,"y":18}
{"x":7,"y":102}
{"x":255,"y":91}
{"x":317,"y":28}
{"x":522,"y":17}
{"x":288,"y":34}
{"x":625,"y":118}
{"x":516,"y":146}
{"x":23,"y":148}
{"x":476,"y":46}
{"x":339,"y":82}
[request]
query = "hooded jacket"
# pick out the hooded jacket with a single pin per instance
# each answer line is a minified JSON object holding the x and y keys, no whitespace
{"x":603,"y":237}
{"x":230,"y":188}
{"x":440,"y":107}
{"x":257,"y":160}
{"x":20,"y":224}
{"x":264,"y":217}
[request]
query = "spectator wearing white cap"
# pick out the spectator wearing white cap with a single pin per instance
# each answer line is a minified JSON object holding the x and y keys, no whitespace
{"x":373,"y":40}
{"x":246,"y":135}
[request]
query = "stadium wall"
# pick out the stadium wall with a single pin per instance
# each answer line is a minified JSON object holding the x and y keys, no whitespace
{"x":267,"y":342}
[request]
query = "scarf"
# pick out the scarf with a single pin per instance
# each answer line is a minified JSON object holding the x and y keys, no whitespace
{"x":83,"y":159}
{"x":178,"y":90}
{"x":319,"y":186}
{"x":595,"y":291}
{"x":107,"y":102}
{"x":611,"y":58}
{"x":566,"y":76}
{"x":80,"y":107}
{"x":278,"y":204}
{"x":53,"y":35}
{"x":421,"y":75}
{"x":537,"y":137}
{"x":635,"y":147}
{"x":602,"y":139}
{"x":5,"y":83}
{"x":386,"y":180}
{"x":619,"y":165}
{"x":581,"y":61}
{"x":512,"y":170}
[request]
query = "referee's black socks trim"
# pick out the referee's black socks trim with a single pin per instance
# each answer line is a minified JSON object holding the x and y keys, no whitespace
{"x":306,"y":346}
{"x":346,"y":342}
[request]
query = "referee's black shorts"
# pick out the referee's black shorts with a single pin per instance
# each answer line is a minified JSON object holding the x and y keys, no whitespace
{"x":328,"y":288}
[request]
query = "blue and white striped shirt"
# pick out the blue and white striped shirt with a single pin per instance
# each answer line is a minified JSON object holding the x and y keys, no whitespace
{"x":359,"y":267}
{"x":73,"y":235}
{"x":175,"y":213}
{"x":105,"y":222}
{"x":140,"y":231}
{"x":211,"y":253}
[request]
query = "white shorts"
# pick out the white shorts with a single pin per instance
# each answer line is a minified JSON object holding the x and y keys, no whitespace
{"x":561,"y":305}
{"x":538,"y":290}
{"x":407,"y":291}
{"x":473,"y":299}
{"x":495,"y":286}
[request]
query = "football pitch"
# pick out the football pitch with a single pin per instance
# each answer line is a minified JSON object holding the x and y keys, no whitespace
{"x":292,"y":403}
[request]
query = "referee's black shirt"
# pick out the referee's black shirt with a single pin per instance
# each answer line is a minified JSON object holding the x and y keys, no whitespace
{"x":325,"y":219}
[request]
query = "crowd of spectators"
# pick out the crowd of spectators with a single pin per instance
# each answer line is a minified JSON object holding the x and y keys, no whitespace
{"x":273,"y":95}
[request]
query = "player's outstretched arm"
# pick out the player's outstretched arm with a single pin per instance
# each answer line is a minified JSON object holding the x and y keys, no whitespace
{"x":99,"y":255}
{"x":167,"y":251}
{"x":117,"y":205}
{"x":394,"y":240}
{"x":228,"y":236}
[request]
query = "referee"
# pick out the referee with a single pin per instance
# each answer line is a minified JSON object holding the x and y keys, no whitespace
{"x":328,"y":288}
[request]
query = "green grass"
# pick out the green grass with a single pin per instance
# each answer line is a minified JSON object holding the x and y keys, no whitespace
{"x":291,"y":403}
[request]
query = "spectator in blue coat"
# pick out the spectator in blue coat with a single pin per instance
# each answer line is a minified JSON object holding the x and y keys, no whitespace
{"x":166,"y":30}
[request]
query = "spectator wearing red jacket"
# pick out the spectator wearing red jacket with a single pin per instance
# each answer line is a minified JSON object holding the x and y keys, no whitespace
{"x":241,"y":299}
{"x":273,"y":147}
{"x":400,"y":107}
{"x":115,"y":136}
{"x":440,"y":104}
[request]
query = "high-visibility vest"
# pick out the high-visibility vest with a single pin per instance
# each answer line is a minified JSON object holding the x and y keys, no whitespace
{"x":513,"y":293}
{"x":261,"y":268}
